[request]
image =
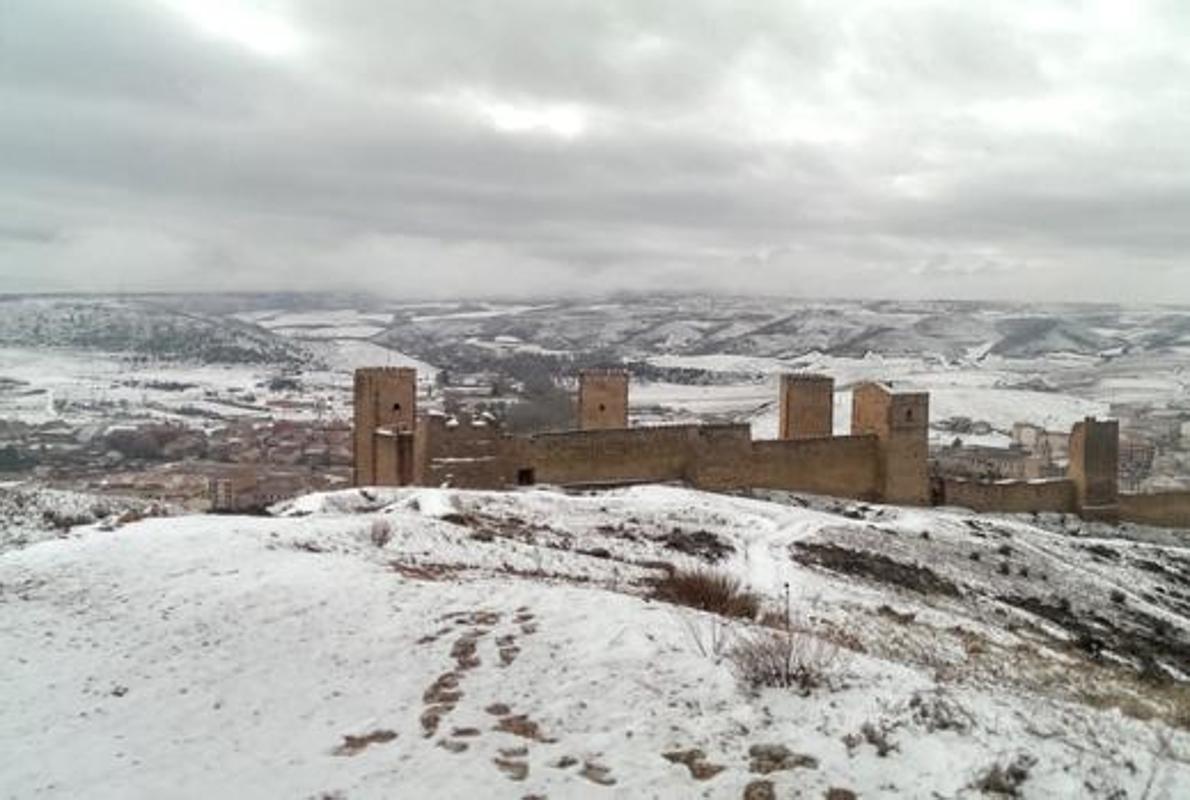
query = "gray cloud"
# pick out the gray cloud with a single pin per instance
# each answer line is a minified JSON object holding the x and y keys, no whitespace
{"x":1017,"y":150}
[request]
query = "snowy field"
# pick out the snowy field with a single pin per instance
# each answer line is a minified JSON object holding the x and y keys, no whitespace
{"x":83,"y":387}
{"x":434,"y":643}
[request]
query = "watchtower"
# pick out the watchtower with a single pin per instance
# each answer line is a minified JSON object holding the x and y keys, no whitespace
{"x":1094,"y":467}
{"x":900,"y":421}
{"x":807,"y":406}
{"x":602,"y":399}
{"x":385,"y":408}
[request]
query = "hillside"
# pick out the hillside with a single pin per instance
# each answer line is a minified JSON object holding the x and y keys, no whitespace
{"x":140,"y":328}
{"x":439,"y":643}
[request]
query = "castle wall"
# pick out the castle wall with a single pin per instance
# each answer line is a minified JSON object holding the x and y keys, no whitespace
{"x":464,"y":453}
{"x":1009,"y":496}
{"x":807,"y":406}
{"x":885,"y":458}
{"x":602,"y":399}
{"x":629,"y":455}
{"x":845,"y":466}
{"x":1165,"y":509}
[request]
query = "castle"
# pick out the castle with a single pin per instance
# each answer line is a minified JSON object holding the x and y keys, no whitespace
{"x":884,"y":458}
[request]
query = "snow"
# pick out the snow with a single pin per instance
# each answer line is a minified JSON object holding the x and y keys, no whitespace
{"x":331,"y":332}
{"x":489,"y":312}
{"x":230,"y":656}
{"x":322,"y":318}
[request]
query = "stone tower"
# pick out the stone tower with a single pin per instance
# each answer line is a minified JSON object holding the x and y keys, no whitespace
{"x":1094,"y":467}
{"x":807,"y":406}
{"x":602,"y":399}
{"x":900,"y":421}
{"x":385,"y":408}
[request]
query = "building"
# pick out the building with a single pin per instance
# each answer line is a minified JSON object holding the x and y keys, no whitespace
{"x":885,"y":456}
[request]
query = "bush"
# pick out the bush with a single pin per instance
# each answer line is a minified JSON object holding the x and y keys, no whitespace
{"x":382,"y":532}
{"x":784,"y":660}
{"x":705,"y":590}
{"x":1006,"y":779}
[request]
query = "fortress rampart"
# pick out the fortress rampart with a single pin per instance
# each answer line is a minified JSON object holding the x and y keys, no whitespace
{"x":1056,"y":495}
{"x":884,"y":459}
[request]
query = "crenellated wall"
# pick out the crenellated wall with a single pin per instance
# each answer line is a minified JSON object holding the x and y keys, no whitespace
{"x":463,"y":452}
{"x":845,"y":466}
{"x":1165,"y":509}
{"x":885,"y":459}
{"x":1009,"y":497}
{"x":627,"y":455}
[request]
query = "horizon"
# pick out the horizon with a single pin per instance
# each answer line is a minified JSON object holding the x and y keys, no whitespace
{"x":337,"y":298}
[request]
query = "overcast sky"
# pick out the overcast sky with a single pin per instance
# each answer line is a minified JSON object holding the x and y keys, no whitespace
{"x":1031,"y":150}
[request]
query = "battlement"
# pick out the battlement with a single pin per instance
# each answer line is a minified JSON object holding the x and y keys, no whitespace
{"x":884,"y":459}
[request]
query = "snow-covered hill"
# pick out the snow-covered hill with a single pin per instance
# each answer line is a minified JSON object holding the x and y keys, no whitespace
{"x":437,"y":643}
{"x":31,"y":513}
{"x":140,"y":328}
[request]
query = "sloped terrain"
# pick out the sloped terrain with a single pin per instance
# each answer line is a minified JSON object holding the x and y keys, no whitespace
{"x":439,"y":643}
{"x":30,"y":514}
{"x":140,"y":328}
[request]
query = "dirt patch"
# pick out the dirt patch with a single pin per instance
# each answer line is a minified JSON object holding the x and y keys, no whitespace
{"x":513,"y":770}
{"x":464,"y":651}
{"x":508,"y":649}
{"x":431,"y":718}
{"x":760,"y":790}
{"x":521,"y":725}
{"x":700,"y":544}
{"x":873,"y":566}
{"x":424,"y":572}
{"x":695,"y":760}
{"x":354,"y":744}
{"x":444,"y":689}
{"x":1147,"y":641}
{"x":899,"y":617}
{"x":597,"y":773}
{"x":768,"y":758}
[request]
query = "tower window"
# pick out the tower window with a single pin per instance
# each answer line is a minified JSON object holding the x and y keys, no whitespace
{"x":602,"y":407}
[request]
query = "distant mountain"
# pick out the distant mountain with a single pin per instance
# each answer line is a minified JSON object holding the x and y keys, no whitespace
{"x":1034,"y":336}
{"x":141,"y":328}
{"x":789,"y":329}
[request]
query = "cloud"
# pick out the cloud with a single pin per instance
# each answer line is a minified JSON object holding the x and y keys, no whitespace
{"x":1008,"y":150}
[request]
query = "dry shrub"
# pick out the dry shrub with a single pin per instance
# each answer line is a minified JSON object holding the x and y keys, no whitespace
{"x":382,"y":532}
{"x":716,"y":592}
{"x":784,"y":660}
{"x":1005,"y":779}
